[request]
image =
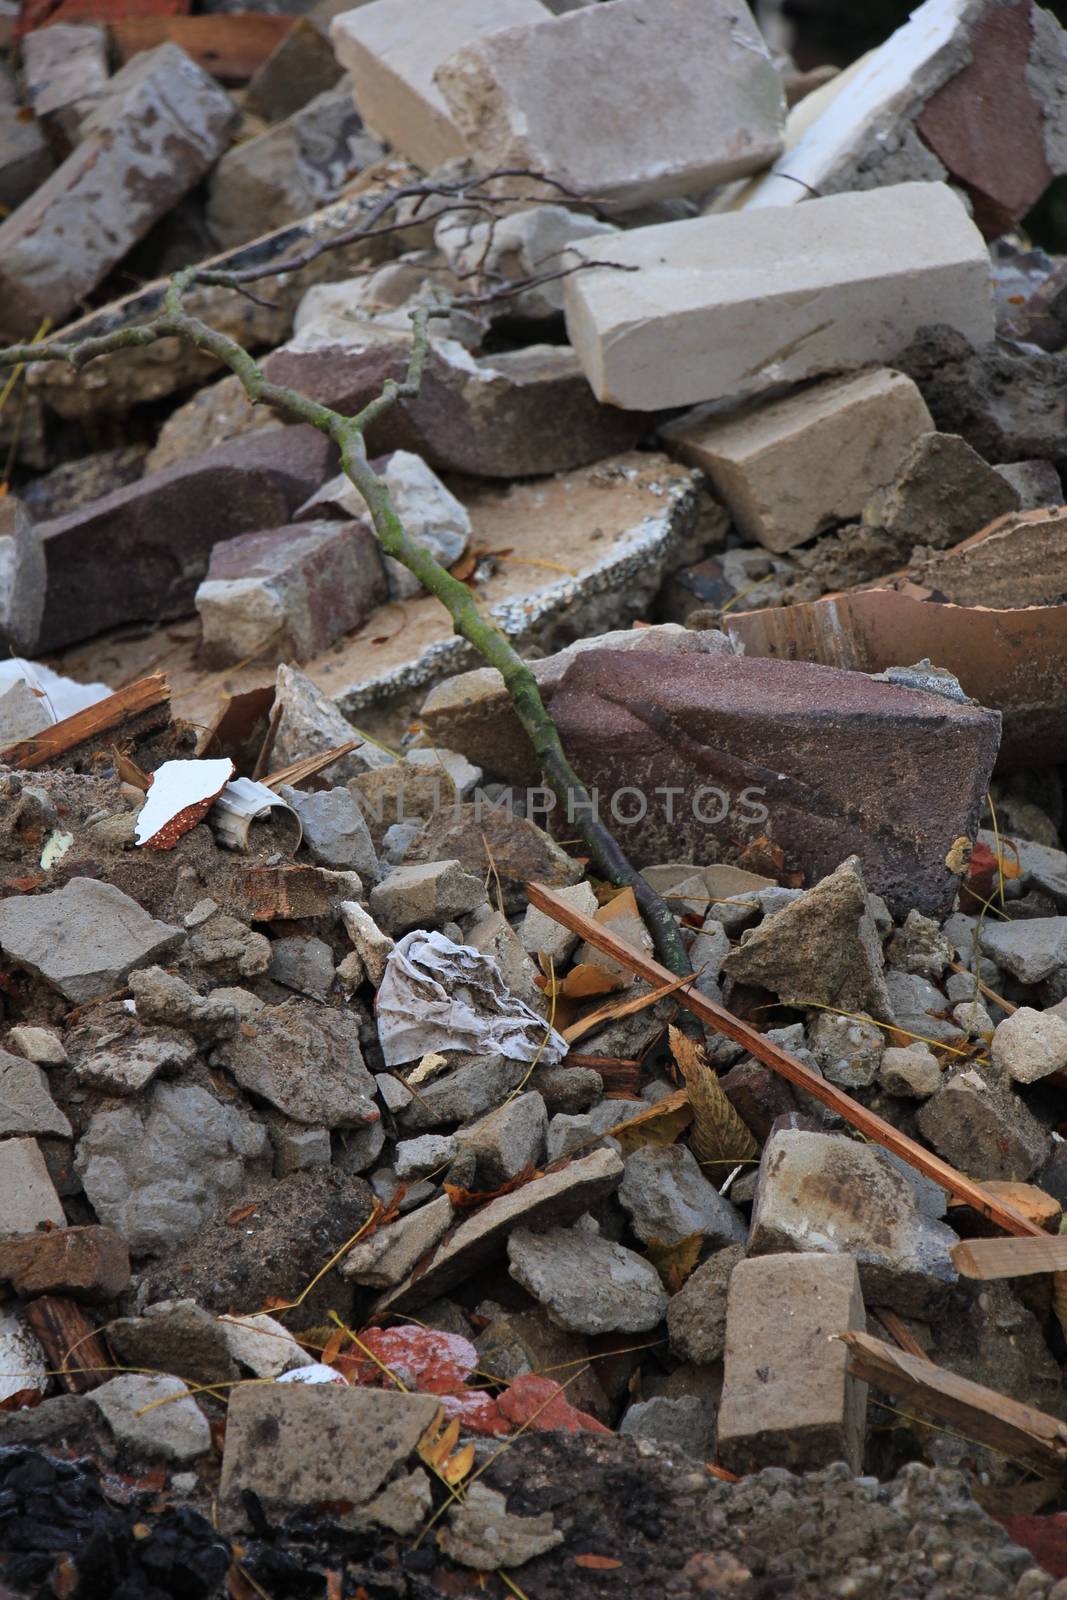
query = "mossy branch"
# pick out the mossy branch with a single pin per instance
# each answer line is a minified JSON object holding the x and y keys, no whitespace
{"x":348,"y":433}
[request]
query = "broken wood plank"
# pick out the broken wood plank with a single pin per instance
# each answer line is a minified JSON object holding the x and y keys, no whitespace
{"x":76,"y":1350}
{"x":1027,"y":1435}
{"x":118,"y":711}
{"x":1010,"y":1258}
{"x":231,"y":47}
{"x":289,"y":894}
{"x":298,"y":771}
{"x":780,"y":1061}
{"x":621,"y":1077}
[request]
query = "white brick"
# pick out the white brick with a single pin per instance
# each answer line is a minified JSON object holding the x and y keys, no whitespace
{"x":391,"y":49}
{"x":628,"y":101}
{"x":795,"y":466}
{"x":730,"y":305}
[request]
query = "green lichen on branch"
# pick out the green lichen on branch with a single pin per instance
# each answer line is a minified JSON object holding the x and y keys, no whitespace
{"x":348,"y":434}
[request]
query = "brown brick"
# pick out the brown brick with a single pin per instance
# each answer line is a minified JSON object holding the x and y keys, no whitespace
{"x":89,"y":1263}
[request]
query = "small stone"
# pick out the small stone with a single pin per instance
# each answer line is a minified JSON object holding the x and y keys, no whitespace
{"x":432,"y":517}
{"x":404,"y":1505}
{"x":541,"y":934}
{"x":491,"y":934}
{"x":26,"y":1104}
{"x":586,"y":1283}
{"x":848,"y":1050}
{"x":386,"y":1258}
{"x":83,"y":939}
{"x":823,"y":948}
{"x":262,"y":1345}
{"x":371,"y":944}
{"x":483,"y":1534}
{"x":472,"y":1086}
{"x":311,"y":723}
{"x":566,"y":1088}
{"x":175,"y":1336}
{"x":296,"y":1148}
{"x":917,"y":1007}
{"x":521,"y":852}
{"x":821,"y":1191}
{"x":87,"y":1263}
{"x":587,"y":1130}
{"x":913,"y":1072}
{"x":668,"y":1199}
{"x":507,"y":1141}
{"x":920,"y":947}
{"x":176,"y":1431}
{"x":65,"y":69}
{"x":464,"y":777}
{"x":123,"y":1059}
{"x":307,"y":1062}
{"x":788,"y":1399}
{"x":516,"y":246}
{"x":696,"y":1316}
{"x":418,"y":1158}
{"x":973,"y":1020}
{"x":1030,"y":1044}
{"x":161,"y":997}
{"x":683,"y":1423}
{"x":394,"y":1092}
{"x":1029,"y":950}
{"x":335,"y":833}
{"x":984,"y":1129}
{"x":28,"y":1196}
{"x":943,"y":493}
{"x":303,"y":963}
{"x":425,"y":895}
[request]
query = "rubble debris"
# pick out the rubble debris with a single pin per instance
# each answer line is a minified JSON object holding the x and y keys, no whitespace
{"x":587,"y":1283}
{"x":425,"y":894}
{"x":1030,"y":1045}
{"x":791,"y":1403}
{"x":483,"y":1534}
{"x":306,"y":1061}
{"x":83,"y":939}
{"x":180,"y":794}
{"x":668,"y":1199}
{"x":942,"y":492}
{"x":152,"y":134}
{"x":528,"y":96}
{"x":974,"y":1118}
{"x":891,"y":260}
{"x":65,"y":72}
{"x":28,"y":1197}
{"x":22,"y":576}
{"x":25,"y":158}
{"x":175,"y":1430}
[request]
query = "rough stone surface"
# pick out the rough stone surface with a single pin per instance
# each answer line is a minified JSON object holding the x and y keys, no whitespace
{"x":696,"y":1316}
{"x":917,"y":1006}
{"x":483,"y":1534}
{"x":1029,"y":950}
{"x":787,"y":1397}
{"x":22,"y":578}
{"x":424,"y":895}
{"x":372,"y":946}
{"x":152,"y":135}
{"x":301,"y":66}
{"x":466,"y":1089}
{"x":262,"y":1345}
{"x":28,"y":1196}
{"x":136,"y":533}
{"x":303,"y":964}
{"x":38,"y":1044}
{"x":518,"y":246}
{"x":819,"y":1191}
{"x":65,"y":70}
{"x":418,"y":1158}
{"x":83,"y":939}
{"x":326,"y":1442}
{"x":586,"y":1283}
{"x":306,"y":1060}
{"x":733,"y":304}
{"x":942,"y":493}
{"x":122,"y":1058}
{"x":519,"y":849}
{"x":431,"y":514}
{"x":175,"y":1336}
{"x":335,"y":833}
{"x":177,"y":1431}
{"x":984,"y":1129}
{"x":794,"y":467}
{"x":668,"y":1198}
{"x":506,"y":1141}
{"x":311,"y":723}
{"x":829,"y":763}
{"x":163,"y":998}
{"x":85,"y":1263}
{"x":26,"y":1104}
{"x":531,"y":97}
{"x":386,"y":1258}
{"x":390,"y":50}
{"x":912,"y":1072}
{"x":682,"y":1423}
{"x":847,"y":1049}
{"x":155,"y":1173}
{"x":290,"y":592}
{"x":25,"y":158}
{"x":1030,"y":1044}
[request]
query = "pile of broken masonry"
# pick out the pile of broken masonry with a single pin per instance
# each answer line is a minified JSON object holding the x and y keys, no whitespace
{"x":373,"y":1222}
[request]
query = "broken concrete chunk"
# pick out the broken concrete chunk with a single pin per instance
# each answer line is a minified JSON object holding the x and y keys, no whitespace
{"x":912,"y":1072}
{"x":688,"y":751}
{"x":431,"y":514}
{"x":301,"y":66}
{"x":506,"y":1142}
{"x":22,"y":579}
{"x":327,"y":1442}
{"x":823,"y":948}
{"x":708,"y":103}
{"x":87,"y":1263}
{"x":820,"y":1191}
{"x":38,"y":1044}
{"x":847,"y":1049}
{"x":124,"y":1059}
{"x":153,"y":1417}
{"x":558,"y":1197}
{"x":517,"y":246}
{"x":942,"y":493}
{"x":262,"y":1345}
{"x":391,"y":48}
{"x":668,"y":1199}
{"x":175,"y":1336}
{"x":696,"y":1316}
{"x":83,"y":939}
{"x":795,"y":467}
{"x":161,"y":997}
{"x":386,"y":1258}
{"x":289,"y":593}
{"x":469,"y":1088}
{"x":157,"y":1173}
{"x":135,"y":533}
{"x":335,"y":833}
{"x":787,"y":1398}
{"x":730,"y":305}
{"x":28,"y":1197}
{"x":26,"y":1105}
{"x":424,"y":895}
{"x":541,"y":934}
{"x":513,"y":848}
{"x":1030,"y":1044}
{"x":586,"y":1283}
{"x":984,"y":1129}
{"x":25,"y":156}
{"x":65,"y":70}
{"x":294,"y":168}
{"x":150,"y":137}
{"x":483,"y":1534}
{"x":1029,"y":950}
{"x":305,"y":1059}
{"x":371,"y":944}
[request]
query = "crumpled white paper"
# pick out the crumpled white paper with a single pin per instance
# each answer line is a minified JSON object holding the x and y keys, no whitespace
{"x":437,"y":995}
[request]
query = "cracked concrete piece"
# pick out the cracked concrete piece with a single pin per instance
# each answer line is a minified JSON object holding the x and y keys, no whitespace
{"x":390,"y":49}
{"x":386,"y":1258}
{"x":177,"y":1431}
{"x":26,"y":1105}
{"x":587,"y":1284}
{"x":153,"y":133}
{"x":984,"y":1129}
{"x":1030,"y":1044}
{"x":730,"y":305}
{"x":305,"y":1059}
{"x":483,"y":1534}
{"x":704,"y":103}
{"x":83,"y":939}
{"x":668,"y":1198}
{"x":28,"y":1196}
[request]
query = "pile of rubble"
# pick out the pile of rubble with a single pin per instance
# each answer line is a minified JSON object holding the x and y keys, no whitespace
{"x":377,"y":1215}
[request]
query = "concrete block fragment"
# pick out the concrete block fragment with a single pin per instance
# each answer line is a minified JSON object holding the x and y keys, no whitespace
{"x":391,"y":49}
{"x":25,"y":156}
{"x":65,"y":70}
{"x":22,"y":578}
{"x":730,"y":305}
{"x":942,"y":493}
{"x":794,"y":467}
{"x":154,"y":1417}
{"x":289,"y":592}
{"x":516,"y":246}
{"x":704,"y":102}
{"x":83,"y":939}
{"x":1030,"y":1044}
{"x":982,"y":1127}
{"x":787,"y":1398}
{"x":151,"y":136}
{"x":300,"y":67}
{"x":425,"y":894}
{"x":28,"y":1196}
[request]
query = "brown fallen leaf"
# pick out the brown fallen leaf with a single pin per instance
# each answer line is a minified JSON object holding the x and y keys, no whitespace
{"x":241,"y":1213}
{"x":718,"y":1133}
{"x":675,"y":1262}
{"x":597,"y":1563}
{"x":660,"y":1124}
{"x":469,"y":1199}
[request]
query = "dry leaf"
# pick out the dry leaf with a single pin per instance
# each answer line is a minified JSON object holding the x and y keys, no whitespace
{"x":660,"y":1124}
{"x":458,"y":1466}
{"x":332,"y":1348}
{"x":597,"y":1563}
{"x":241,"y":1213}
{"x":675,"y":1262}
{"x":718,"y":1133}
{"x":468,"y":1199}
{"x":586,"y":980}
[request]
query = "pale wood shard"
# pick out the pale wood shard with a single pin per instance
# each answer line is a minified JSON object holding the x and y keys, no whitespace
{"x":780,"y":1061}
{"x":1010,"y":1258}
{"x":298,"y":771}
{"x":1027,"y":1435}
{"x":73,"y":1344}
{"x":120,"y":710}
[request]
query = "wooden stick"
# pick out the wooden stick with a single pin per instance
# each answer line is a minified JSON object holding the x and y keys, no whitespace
{"x":45,"y":747}
{"x":75,"y":1349}
{"x":307,"y":766}
{"x":621,"y":1008}
{"x":1026,"y":1435}
{"x":780,"y":1061}
{"x":895,"y":1326}
{"x":1010,"y":1258}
